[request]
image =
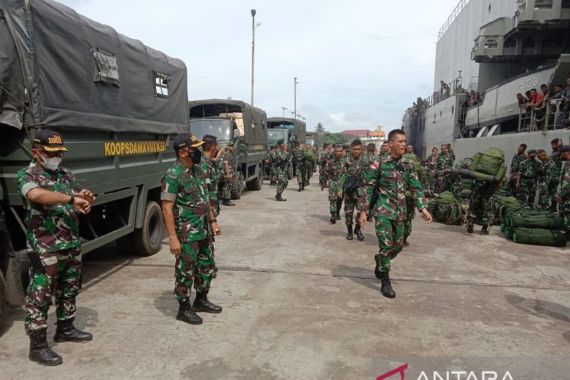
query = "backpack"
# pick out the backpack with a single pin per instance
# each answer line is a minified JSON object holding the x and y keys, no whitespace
{"x":535,"y":219}
{"x":539,"y":236}
{"x":489,"y":163}
{"x":503,"y":206}
{"x":446,"y":209}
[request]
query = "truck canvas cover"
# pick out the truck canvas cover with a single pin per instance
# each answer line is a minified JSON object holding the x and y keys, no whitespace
{"x":63,"y":70}
{"x":298,"y":127}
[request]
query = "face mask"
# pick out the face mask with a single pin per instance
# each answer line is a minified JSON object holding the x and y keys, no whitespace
{"x":196,"y":156}
{"x":51,"y":163}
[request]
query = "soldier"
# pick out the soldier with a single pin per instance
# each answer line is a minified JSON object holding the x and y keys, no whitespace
{"x":410,"y":151}
{"x":228,"y":174}
{"x":444,"y":165}
{"x":553,"y":171}
{"x":310,"y":163}
{"x":271,"y":163}
{"x":392,"y":179}
{"x":53,"y":201}
{"x":432,"y":168}
{"x":543,"y":198}
{"x":458,"y":183}
{"x":527,"y":177}
{"x":301,"y":165}
{"x":353,"y":188}
{"x":211,"y":170}
{"x":191,"y":225}
{"x":327,"y":154}
{"x":385,"y":149}
{"x":333,"y":171}
{"x":281,"y":169}
{"x":563,"y":193}
{"x":415,"y":166}
{"x":519,"y":157}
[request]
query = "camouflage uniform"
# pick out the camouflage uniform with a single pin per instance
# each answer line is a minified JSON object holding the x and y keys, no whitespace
{"x":212,"y":174}
{"x":515,"y":163}
{"x":431,"y":164}
{"x":419,"y":171}
{"x":333,"y":172}
{"x":392,"y":179}
{"x":564,"y":194}
{"x":310,"y":163}
{"x":301,"y":165}
{"x":480,"y":210}
{"x":53,"y":239}
{"x":324,"y":159}
{"x":272,"y":166}
{"x":444,"y":164}
{"x":543,"y":198}
{"x":195,"y":265}
{"x":352,"y":172}
{"x":281,"y":170}
{"x":529,"y":170}
{"x":553,"y":171}
{"x":461,"y":186}
{"x":229,"y":175}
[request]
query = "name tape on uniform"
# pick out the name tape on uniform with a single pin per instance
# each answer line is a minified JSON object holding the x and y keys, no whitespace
{"x":128,"y":148}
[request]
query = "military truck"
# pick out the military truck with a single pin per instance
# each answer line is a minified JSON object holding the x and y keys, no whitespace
{"x":239,"y":122}
{"x":294,"y":129}
{"x":118,"y":105}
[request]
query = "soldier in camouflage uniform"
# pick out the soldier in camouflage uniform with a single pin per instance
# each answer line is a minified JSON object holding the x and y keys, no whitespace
{"x":272,"y":169}
{"x":519,"y":157}
{"x":414,"y":165}
{"x":326,"y":155}
{"x":384,"y":150}
{"x":461,"y":186}
{"x":445,"y":162}
{"x":332,"y":173}
{"x":353,"y":188}
{"x":431,"y":164}
{"x":310,"y":162}
{"x":528,"y":175}
{"x":228,"y":175}
{"x":553,"y":171}
{"x":393,"y":177}
{"x":210,"y":165}
{"x":563,"y":193}
{"x":281,"y":169}
{"x":300,"y":163}
{"x":191,"y":224}
{"x":543,"y":198}
{"x":53,"y":201}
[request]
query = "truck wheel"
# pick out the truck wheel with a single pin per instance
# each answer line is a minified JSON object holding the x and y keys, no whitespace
{"x":255,"y":184}
{"x":147,"y":240}
{"x":237,"y":187}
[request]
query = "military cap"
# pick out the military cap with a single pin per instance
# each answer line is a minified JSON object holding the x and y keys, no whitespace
{"x":280,"y":142}
{"x":50,"y":141}
{"x":187,"y":140}
{"x":532,"y":151}
{"x":564,"y":149}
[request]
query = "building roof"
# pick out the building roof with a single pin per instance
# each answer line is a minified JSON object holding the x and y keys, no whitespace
{"x":362,"y":133}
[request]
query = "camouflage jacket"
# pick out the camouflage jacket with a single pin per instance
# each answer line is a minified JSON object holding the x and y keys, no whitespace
{"x":392,"y":179}
{"x":553,"y":170}
{"x":515,"y":163}
{"x":50,"y":228}
{"x":227,"y":165}
{"x":369,"y":165}
{"x":334,"y":169}
{"x":529,"y":169}
{"x":187,"y":189}
{"x":281,"y":160}
{"x":212,"y":174}
{"x":432,"y":162}
{"x":298,"y":156}
{"x":352,"y":168}
{"x":564,"y":188}
{"x":445,"y":161}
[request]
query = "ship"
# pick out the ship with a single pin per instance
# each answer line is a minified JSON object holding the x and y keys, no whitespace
{"x":488,"y":52}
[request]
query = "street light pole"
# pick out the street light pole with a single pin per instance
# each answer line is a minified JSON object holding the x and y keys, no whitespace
{"x":253,"y":12}
{"x":284,"y":109}
{"x":295,"y":83}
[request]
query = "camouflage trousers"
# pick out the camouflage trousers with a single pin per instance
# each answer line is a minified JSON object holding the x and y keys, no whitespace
{"x":282,"y":179}
{"x":322,"y":177}
{"x":194,"y":266}
{"x":227,"y":188}
{"x":410,"y":215}
{"x":273,"y":174}
{"x":390,"y":234}
{"x":527,"y":191}
{"x":302,"y":174}
{"x":350,"y":202}
{"x":52,"y":274}
{"x":335,"y":201}
{"x":565,"y":213}
{"x":480,"y":204}
{"x":543,"y":197}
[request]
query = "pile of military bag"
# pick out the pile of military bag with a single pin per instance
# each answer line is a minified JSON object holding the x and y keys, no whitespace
{"x":503,"y":206}
{"x":446,"y":209}
{"x":527,"y":226}
{"x":488,"y":166}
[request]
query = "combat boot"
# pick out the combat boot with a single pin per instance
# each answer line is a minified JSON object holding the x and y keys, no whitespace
{"x":40,"y":351}
{"x":358,"y":233}
{"x":279,"y":198}
{"x":386,"y":288}
{"x":470,"y":228}
{"x":349,"y":235}
{"x":300,"y":188}
{"x":227,"y":202}
{"x":66,"y":332}
{"x":333,"y":218}
{"x":405,"y":242}
{"x":186,"y":314}
{"x":485,"y":230}
{"x":337,"y":217}
{"x":201,"y":303}
{"x":377,"y":272}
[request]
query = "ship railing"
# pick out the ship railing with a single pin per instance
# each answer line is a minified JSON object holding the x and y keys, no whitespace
{"x":554,"y":115}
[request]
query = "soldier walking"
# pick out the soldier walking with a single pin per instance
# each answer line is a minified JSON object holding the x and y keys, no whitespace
{"x":301,"y":164}
{"x":228,"y":174}
{"x":53,"y":201}
{"x":393,"y":177}
{"x":445,"y":162}
{"x":211,"y":170}
{"x":333,"y":171}
{"x":281,"y":169}
{"x":527,"y":177}
{"x":191,"y":225}
{"x":353,"y":188}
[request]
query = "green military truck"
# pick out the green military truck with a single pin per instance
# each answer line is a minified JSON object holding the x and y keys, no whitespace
{"x":294,"y":129}
{"x":239,"y":122}
{"x":118,"y":105}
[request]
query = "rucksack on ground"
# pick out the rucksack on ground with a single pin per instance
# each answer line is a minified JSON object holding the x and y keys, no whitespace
{"x":539,"y":236}
{"x":446,"y":209}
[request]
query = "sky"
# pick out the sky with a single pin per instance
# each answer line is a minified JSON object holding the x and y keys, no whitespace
{"x":359,"y":63}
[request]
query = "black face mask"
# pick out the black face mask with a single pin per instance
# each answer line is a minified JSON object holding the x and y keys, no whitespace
{"x":196,"y":156}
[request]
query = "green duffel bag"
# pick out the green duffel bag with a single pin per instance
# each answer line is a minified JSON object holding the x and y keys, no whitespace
{"x":489,"y":162}
{"x":539,"y":236}
{"x":446,"y":209}
{"x":507,"y":231}
{"x":504,"y":206}
{"x":536,"y":219}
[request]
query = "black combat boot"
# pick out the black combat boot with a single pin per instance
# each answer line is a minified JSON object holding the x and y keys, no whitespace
{"x":279,"y":198}
{"x":377,"y":272}
{"x":66,"y":332}
{"x":201,"y":303}
{"x":186,"y":314}
{"x":485,"y":230}
{"x":333,"y":218}
{"x":227,"y":202}
{"x":337,"y":217}
{"x":406,"y":244}
{"x":386,"y":289}
{"x":300,"y":188}
{"x":358,"y":233}
{"x":470,"y":227}
{"x":40,"y":351}
{"x":349,"y":235}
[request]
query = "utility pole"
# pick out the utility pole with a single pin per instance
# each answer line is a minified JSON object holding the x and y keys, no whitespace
{"x":284,"y":109}
{"x":253,"y":12}
{"x":295,"y":83}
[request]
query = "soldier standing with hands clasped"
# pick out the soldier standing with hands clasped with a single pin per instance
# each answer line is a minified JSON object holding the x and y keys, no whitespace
{"x":53,"y":200}
{"x":191,"y":226}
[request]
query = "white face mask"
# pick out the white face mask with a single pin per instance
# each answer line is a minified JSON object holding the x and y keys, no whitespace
{"x":51,"y":163}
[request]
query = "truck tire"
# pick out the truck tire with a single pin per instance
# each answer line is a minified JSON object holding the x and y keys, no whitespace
{"x":255,"y":184}
{"x":237,"y":187}
{"x":148,"y":240}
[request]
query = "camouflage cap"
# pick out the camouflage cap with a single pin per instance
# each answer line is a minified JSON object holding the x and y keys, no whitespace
{"x":187,"y":140}
{"x":50,"y":141}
